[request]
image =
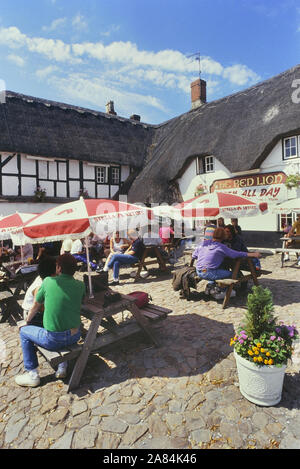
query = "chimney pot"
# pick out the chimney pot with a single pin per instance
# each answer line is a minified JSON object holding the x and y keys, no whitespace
{"x":198,"y":93}
{"x":110,"y":108}
{"x":135,"y":117}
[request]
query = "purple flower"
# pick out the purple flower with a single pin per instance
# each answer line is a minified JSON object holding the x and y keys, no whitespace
{"x":272,"y":337}
{"x":241,"y":341}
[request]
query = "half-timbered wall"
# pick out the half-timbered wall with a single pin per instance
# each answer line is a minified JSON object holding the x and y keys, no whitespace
{"x":20,"y":175}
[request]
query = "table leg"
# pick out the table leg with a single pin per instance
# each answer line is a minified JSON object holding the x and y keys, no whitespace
{"x":160,"y":259}
{"x":141,"y":263}
{"x":253,"y":272}
{"x":234,"y":277}
{"x":86,"y":349}
{"x":142,"y":322}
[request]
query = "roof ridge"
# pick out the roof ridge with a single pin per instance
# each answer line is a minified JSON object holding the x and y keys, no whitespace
{"x":49,"y":102}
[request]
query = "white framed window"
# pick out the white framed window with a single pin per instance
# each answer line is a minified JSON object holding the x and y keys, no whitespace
{"x":115,"y":176}
{"x":205,"y":165}
{"x":209,"y":164}
{"x":102,"y":174}
{"x":290,"y":147}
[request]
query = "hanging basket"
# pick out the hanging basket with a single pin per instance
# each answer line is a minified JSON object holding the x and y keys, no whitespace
{"x":260,"y":385}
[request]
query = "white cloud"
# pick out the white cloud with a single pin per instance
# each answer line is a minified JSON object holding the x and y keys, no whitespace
{"x":53,"y":49}
{"x":43,"y":73}
{"x":55,"y":24}
{"x":79,"y":22}
{"x":16,"y":59}
{"x":240,"y":75}
{"x":97,"y":92}
{"x":113,"y":29}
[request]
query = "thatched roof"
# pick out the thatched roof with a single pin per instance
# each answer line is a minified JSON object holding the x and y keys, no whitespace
{"x":39,"y":127}
{"x":239,"y":130}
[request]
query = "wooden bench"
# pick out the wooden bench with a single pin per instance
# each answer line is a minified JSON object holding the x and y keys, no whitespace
{"x":288,"y":251}
{"x":229,"y":283}
{"x":158,"y":259}
{"x":102,"y":340}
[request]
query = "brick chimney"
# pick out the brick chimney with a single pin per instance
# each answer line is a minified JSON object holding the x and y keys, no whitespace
{"x":110,"y":108}
{"x":198,"y":93}
{"x":135,"y":117}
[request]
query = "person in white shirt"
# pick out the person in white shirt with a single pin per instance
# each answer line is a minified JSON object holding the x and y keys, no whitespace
{"x":117,"y":245}
{"x":46,"y":268}
{"x":79,"y":254}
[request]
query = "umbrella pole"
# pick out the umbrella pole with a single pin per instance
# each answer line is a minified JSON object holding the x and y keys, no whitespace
{"x":22,"y":258}
{"x":89,"y":267}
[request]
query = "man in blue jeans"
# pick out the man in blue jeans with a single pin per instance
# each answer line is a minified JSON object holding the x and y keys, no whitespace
{"x":62,"y":297}
{"x":211,"y":254}
{"x":131,"y":256}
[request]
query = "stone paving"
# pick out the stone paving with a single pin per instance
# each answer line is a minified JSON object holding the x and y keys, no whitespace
{"x":183,"y":394}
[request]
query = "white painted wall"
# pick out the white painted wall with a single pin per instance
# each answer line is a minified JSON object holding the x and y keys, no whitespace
{"x":13,"y":207}
{"x":273,"y":163}
{"x":189,"y":180}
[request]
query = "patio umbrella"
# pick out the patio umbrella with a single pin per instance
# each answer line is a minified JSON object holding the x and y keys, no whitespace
{"x":12,"y":222}
{"x":290,"y":206}
{"x":216,"y":204}
{"x":77,"y":220}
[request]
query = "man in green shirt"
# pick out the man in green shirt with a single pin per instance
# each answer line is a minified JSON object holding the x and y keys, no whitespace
{"x":61,"y":297}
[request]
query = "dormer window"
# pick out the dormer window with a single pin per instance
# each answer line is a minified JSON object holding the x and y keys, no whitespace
{"x":205,"y":164}
{"x":290,"y":147}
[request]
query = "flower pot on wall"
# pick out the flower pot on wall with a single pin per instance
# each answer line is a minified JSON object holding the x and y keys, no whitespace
{"x":261,"y":385}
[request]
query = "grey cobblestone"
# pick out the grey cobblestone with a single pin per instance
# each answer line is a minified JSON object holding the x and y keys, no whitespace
{"x":183,"y":394}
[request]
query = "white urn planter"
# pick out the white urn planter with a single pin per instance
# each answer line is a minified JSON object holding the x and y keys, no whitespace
{"x":260,"y":385}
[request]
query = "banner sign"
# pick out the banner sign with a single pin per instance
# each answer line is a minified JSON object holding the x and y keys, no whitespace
{"x":267,"y":186}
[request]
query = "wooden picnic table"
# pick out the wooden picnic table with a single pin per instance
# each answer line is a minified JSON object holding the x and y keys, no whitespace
{"x":99,"y":315}
{"x":235,"y":279}
{"x":152,"y":251}
{"x":284,"y":249}
{"x":11,"y":289}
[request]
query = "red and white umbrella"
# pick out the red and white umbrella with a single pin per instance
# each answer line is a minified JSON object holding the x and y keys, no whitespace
{"x":13,"y":222}
{"x":79,"y":218}
{"x":216,"y":204}
{"x":221,"y":204}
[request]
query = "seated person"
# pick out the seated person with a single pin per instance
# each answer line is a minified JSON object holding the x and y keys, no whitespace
{"x":165,"y":234}
{"x":66,"y":246}
{"x":62,"y":297}
{"x":132,"y":255}
{"x":211,"y":254}
{"x":237,"y":228}
{"x":209,"y":229}
{"x":294,"y":231}
{"x":236,"y":242}
{"x":46,"y":268}
{"x":25,"y":252}
{"x":47,"y":249}
{"x":78,"y":252}
{"x":117,"y":245}
{"x":220,"y":222}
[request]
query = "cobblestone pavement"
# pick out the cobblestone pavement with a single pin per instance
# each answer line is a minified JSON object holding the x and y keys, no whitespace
{"x":183,"y":394}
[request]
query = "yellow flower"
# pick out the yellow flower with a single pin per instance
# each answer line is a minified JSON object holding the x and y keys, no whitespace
{"x":270,"y":362}
{"x":254,"y":348}
{"x":268,"y":354}
{"x":263,"y":350}
{"x":250,"y":352}
{"x":266,"y":362}
{"x":258,"y":345}
{"x":256,"y":352}
{"x":260,"y":359}
{"x":255,"y":359}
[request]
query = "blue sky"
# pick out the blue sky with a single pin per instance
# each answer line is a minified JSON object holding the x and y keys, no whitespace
{"x":136,"y":52}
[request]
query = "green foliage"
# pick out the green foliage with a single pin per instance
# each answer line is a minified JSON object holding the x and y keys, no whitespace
{"x":259,"y":316}
{"x":292,"y":181}
{"x":261,"y":340}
